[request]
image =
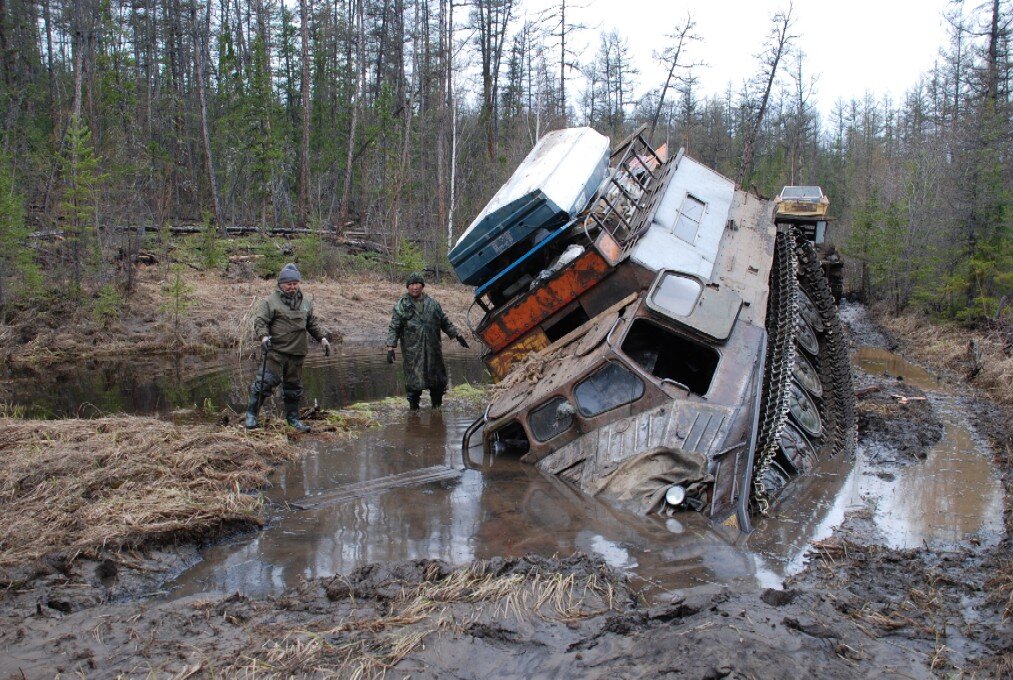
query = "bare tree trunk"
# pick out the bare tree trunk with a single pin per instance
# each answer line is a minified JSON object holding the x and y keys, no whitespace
{"x":79,"y":41}
{"x":49,"y":57}
{"x":562,"y":61}
{"x":452,"y":104}
{"x":682,"y":33}
{"x":360,"y":85}
{"x":453,"y":176}
{"x":778,"y":44}
{"x":198,"y":68}
{"x":444,"y":58}
{"x":395,"y":209}
{"x":304,"y":147}
{"x":493,"y":18}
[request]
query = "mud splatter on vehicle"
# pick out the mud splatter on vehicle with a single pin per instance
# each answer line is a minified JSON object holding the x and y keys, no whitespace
{"x":671,"y":343}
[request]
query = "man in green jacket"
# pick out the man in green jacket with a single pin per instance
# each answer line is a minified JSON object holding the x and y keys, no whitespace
{"x":416,"y":323}
{"x":282,"y":322}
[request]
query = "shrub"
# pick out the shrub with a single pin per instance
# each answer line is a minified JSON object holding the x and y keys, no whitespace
{"x":107,"y":304}
{"x":270,"y":259}
{"x":410,"y":258}
{"x":178,"y":292}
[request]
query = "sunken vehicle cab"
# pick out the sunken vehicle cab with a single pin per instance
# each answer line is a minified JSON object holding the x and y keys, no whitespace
{"x":658,"y":336}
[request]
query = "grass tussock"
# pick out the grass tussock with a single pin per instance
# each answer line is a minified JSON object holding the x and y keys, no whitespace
{"x":466,"y":393}
{"x":370,"y":647}
{"x":73,"y":487}
{"x":945,"y":347}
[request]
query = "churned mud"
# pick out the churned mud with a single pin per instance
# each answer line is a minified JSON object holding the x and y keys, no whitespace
{"x":402,"y":564}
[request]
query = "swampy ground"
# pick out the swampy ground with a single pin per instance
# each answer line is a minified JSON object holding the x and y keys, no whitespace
{"x":380,"y":549}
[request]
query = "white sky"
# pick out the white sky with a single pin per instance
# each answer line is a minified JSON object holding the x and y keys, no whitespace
{"x":852,"y":46}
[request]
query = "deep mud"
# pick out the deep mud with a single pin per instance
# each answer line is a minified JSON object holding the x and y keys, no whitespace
{"x":530,"y":617}
{"x":858,"y":608}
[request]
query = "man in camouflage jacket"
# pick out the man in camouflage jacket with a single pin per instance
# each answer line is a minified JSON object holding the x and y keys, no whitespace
{"x":416,"y":322}
{"x":283,"y":321}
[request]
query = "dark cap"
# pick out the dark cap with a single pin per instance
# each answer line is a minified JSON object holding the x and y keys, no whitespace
{"x":289,"y":273}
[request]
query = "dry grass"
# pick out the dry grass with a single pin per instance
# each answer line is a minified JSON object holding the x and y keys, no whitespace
{"x":220,"y":317}
{"x":945,"y":348}
{"x":370,"y":647}
{"x":73,"y":487}
{"x":1000,"y":588}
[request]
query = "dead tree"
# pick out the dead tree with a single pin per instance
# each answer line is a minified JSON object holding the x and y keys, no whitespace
{"x":682,"y":34}
{"x":199,"y":41}
{"x":304,"y":91}
{"x":778,"y":43}
{"x":491,"y":18}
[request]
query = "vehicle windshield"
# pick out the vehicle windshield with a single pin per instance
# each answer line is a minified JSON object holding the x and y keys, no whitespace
{"x":549,"y":420}
{"x":803,"y":193}
{"x":611,"y":386}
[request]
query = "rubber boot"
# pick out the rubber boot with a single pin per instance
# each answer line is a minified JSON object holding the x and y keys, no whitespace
{"x":252,"y":411}
{"x":436,"y":398}
{"x":292,"y":417}
{"x":413,"y":400}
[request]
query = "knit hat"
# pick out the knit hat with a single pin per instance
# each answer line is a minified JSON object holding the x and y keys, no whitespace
{"x":289,"y":273}
{"x":414,"y":277}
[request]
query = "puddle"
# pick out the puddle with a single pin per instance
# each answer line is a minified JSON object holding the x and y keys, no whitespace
{"x":402,"y":491}
{"x":951,"y":496}
{"x":882,"y":362}
{"x":506,"y":509}
{"x":142,"y":388}
{"x":371,"y":499}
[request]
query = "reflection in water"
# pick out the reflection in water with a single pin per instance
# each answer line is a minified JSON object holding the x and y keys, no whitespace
{"x":502,"y":507}
{"x":951,"y":496}
{"x":879,"y":361}
{"x":101,"y":388}
{"x":507,"y":509}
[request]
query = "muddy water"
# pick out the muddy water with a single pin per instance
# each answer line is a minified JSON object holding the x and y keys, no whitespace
{"x":146,"y":388}
{"x":403,"y":491}
{"x":883,"y":362}
{"x":952,"y":496}
{"x":491,"y":508}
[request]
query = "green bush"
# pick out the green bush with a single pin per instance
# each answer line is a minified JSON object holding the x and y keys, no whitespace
{"x":410,"y":258}
{"x":270,"y":259}
{"x":345,"y":263}
{"x":210,"y":249}
{"x":107,"y":304}
{"x":177,"y":292}
{"x":310,"y":256}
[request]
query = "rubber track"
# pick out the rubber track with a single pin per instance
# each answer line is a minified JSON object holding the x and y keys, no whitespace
{"x":782,"y":313}
{"x":835,"y":367}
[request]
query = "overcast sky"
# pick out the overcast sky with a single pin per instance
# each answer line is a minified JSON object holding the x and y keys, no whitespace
{"x":852,"y":46}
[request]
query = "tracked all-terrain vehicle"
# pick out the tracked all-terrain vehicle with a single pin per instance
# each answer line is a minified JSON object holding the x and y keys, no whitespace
{"x":658,"y":336}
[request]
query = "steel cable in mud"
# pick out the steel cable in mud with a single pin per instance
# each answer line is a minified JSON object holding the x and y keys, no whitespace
{"x":834,"y":364}
{"x":782,"y":318}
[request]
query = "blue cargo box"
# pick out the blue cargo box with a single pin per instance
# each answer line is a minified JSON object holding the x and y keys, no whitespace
{"x":555,"y":182}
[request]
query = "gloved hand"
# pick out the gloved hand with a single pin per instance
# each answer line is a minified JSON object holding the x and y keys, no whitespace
{"x":462,"y":342}
{"x":265,"y":342}
{"x":390,"y":355}
{"x":327,"y":347}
